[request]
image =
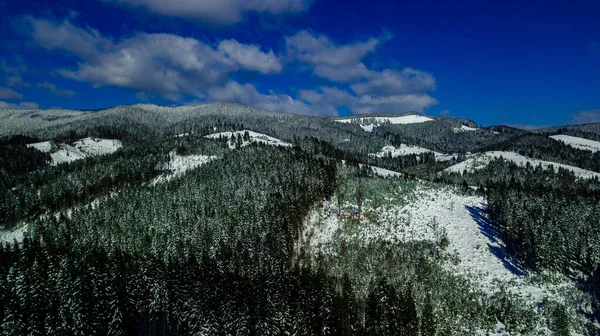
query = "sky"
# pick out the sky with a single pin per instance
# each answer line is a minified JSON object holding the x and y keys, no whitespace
{"x":522,"y":63}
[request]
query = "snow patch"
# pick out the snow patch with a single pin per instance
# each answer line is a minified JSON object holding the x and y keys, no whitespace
{"x":96,"y":146}
{"x":482,"y":160}
{"x":464,"y":128}
{"x":382,"y":171}
{"x":9,"y":236}
{"x":180,"y":164}
{"x":44,"y":146}
{"x":254,"y":137}
{"x":377,"y":121}
{"x":402,"y":151}
{"x":87,"y":147}
{"x":579,"y":143}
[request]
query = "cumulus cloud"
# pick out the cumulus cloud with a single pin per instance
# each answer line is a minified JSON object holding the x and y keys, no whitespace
{"x":19,"y":106}
{"x":163,"y":63}
{"x":327,"y":97}
{"x":249,"y":95}
{"x":587,"y":116}
{"x":391,"y":82}
{"x":386,"y":91}
{"x":222,"y":11}
{"x":8,"y":93}
{"x":12,"y":74}
{"x":57,"y":91}
{"x":341,"y":63}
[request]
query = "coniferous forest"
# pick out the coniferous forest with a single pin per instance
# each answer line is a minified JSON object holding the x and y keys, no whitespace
{"x":304,"y":239}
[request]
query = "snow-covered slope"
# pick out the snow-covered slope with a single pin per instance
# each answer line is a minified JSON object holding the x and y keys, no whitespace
{"x":408,"y":119}
{"x":180,"y":164}
{"x":432,"y":213}
{"x":44,"y":146}
{"x":382,"y":171}
{"x":463,"y":128}
{"x":9,"y":236}
{"x":579,"y":143}
{"x":254,"y":137}
{"x":61,"y":153}
{"x":96,"y":146}
{"x":401,"y":151}
{"x":481,"y":161}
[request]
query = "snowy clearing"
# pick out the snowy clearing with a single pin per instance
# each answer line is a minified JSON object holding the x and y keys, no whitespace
{"x":254,"y":137}
{"x":61,"y":153}
{"x":377,"y":121}
{"x":44,"y":146}
{"x":180,"y":164}
{"x":579,"y":143}
{"x":9,"y":236}
{"x":96,"y":146}
{"x":477,"y":251}
{"x":464,"y":128}
{"x":481,"y":161}
{"x":401,"y":151}
{"x":382,"y":171}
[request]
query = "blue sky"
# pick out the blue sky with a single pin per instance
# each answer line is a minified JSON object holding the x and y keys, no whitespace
{"x":531,"y":63}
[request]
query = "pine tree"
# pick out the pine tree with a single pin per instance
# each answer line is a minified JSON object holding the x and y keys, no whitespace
{"x":428,"y":325}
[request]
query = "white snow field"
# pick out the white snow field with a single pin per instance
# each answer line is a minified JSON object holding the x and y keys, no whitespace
{"x":382,"y":171}
{"x":464,"y":128}
{"x":408,"y":119}
{"x":477,"y":251}
{"x":402,"y":150}
{"x":9,"y":236}
{"x":44,"y":146}
{"x":180,"y":164}
{"x":480,"y":161}
{"x":579,"y":143}
{"x":96,"y":146}
{"x":61,"y":153}
{"x":254,"y":137}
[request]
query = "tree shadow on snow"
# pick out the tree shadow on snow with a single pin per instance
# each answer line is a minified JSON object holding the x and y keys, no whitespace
{"x":488,"y":230}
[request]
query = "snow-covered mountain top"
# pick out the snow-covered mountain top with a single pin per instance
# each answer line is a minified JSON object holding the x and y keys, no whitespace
{"x":254,"y":137}
{"x":579,"y":143}
{"x":482,"y":160}
{"x":377,"y":121}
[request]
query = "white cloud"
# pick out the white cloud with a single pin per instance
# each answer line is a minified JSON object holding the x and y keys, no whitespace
{"x":587,"y":116}
{"x":57,"y":91}
{"x":85,"y":43}
{"x":340,"y":63}
{"x":386,"y":91}
{"x":8,"y":93}
{"x":327,"y":98}
{"x":249,"y":57}
{"x":163,"y":63}
{"x":222,"y":11}
{"x":19,"y":106}
{"x":247,"y":94}
{"x":391,"y":82}
{"x":394,"y":104}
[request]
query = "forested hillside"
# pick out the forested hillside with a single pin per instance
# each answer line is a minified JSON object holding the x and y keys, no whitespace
{"x":289,"y":228}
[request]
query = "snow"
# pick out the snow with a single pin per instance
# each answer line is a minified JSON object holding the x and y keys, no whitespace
{"x":403,"y":120}
{"x":61,"y":153}
{"x":180,"y":164}
{"x":475,"y":248}
{"x":96,"y":146}
{"x":9,"y":236}
{"x":44,"y":146}
{"x":382,"y":171}
{"x":579,"y":143}
{"x":482,"y":160}
{"x":464,"y":128}
{"x":402,"y":150}
{"x":254,"y":137}
{"x":66,"y":154}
